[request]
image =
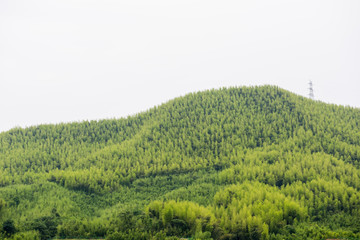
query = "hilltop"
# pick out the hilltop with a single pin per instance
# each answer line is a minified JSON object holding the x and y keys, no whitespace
{"x":233,"y":163}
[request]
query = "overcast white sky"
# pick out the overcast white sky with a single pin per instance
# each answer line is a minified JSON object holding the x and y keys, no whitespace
{"x":71,"y":60}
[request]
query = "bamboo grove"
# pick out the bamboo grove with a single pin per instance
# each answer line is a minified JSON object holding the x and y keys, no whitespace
{"x":233,"y":163}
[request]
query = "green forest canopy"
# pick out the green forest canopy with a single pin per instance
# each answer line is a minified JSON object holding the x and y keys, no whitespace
{"x":234,"y":163}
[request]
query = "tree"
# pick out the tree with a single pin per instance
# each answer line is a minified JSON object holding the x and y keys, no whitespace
{"x":46,"y":226}
{"x":9,"y":227}
{"x":2,"y":208}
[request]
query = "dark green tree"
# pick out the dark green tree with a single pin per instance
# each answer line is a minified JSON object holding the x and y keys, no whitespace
{"x":46,"y":226}
{"x":8,"y":227}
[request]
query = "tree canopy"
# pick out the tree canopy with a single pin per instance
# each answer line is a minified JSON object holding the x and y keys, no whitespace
{"x":233,"y":163}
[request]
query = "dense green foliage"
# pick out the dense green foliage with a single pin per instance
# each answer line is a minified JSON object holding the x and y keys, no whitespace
{"x":236,"y":163}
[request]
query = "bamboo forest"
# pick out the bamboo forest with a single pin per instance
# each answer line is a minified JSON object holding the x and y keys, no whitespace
{"x":232,"y":163}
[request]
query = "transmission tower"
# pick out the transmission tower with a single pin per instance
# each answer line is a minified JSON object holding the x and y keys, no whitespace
{"x":311,"y":90}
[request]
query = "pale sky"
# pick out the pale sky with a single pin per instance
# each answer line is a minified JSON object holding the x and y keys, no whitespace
{"x":73,"y":60}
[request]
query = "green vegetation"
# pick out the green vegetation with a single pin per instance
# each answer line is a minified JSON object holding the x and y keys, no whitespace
{"x":236,"y":163}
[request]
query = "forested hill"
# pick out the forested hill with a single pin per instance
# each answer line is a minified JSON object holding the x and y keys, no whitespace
{"x":234,"y":163}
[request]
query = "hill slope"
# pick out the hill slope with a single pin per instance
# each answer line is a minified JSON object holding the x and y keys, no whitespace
{"x":240,"y":163}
